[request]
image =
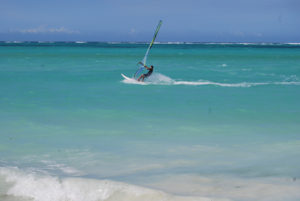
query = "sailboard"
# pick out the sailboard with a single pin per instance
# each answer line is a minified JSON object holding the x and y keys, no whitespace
{"x":127,"y":78}
{"x":142,"y":63}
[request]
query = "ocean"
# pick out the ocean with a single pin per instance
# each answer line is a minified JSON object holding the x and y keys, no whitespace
{"x":214,"y":122}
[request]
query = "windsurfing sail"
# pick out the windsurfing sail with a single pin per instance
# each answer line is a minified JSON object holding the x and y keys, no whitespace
{"x":142,"y":63}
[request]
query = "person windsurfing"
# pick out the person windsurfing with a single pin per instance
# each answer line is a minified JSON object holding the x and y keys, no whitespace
{"x":150,"y":70}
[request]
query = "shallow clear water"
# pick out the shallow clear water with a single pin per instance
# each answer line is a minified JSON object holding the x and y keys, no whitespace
{"x":214,"y":120}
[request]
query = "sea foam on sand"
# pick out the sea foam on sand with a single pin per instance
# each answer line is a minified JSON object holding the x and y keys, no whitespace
{"x":21,"y":186}
{"x":17,"y":185}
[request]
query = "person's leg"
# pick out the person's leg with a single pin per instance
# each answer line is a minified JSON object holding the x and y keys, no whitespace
{"x":142,"y":76}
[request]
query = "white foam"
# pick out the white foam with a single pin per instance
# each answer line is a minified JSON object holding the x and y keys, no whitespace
{"x":157,"y":78}
{"x":13,"y":41}
{"x":133,"y":81}
{"x":287,"y":83}
{"x":48,"y":188}
{"x":242,"y":84}
{"x":52,"y":165}
{"x":154,"y":79}
{"x":160,"y":79}
{"x":293,"y":43}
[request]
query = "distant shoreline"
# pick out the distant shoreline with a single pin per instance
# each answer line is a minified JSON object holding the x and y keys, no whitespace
{"x":163,"y":43}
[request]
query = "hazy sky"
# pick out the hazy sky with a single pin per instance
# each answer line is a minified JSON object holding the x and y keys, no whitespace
{"x":135,"y":20}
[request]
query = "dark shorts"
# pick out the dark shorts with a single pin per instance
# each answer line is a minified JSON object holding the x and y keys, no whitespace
{"x":147,"y":74}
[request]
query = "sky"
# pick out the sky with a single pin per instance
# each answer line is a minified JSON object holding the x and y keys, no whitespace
{"x":135,"y":20}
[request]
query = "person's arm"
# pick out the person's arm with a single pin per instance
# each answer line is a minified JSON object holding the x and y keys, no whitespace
{"x":147,"y":67}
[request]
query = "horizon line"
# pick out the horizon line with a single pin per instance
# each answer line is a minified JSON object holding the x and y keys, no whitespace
{"x":142,"y":42}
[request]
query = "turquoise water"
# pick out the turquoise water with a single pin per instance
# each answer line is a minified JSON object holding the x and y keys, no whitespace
{"x":214,"y":121}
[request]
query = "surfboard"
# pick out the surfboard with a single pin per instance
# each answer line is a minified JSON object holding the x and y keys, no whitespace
{"x":127,"y":78}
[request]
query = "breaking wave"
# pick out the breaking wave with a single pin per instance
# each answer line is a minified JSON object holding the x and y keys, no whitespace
{"x":34,"y":187}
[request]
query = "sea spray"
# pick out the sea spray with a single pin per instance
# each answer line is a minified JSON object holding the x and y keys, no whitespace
{"x":160,"y":79}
